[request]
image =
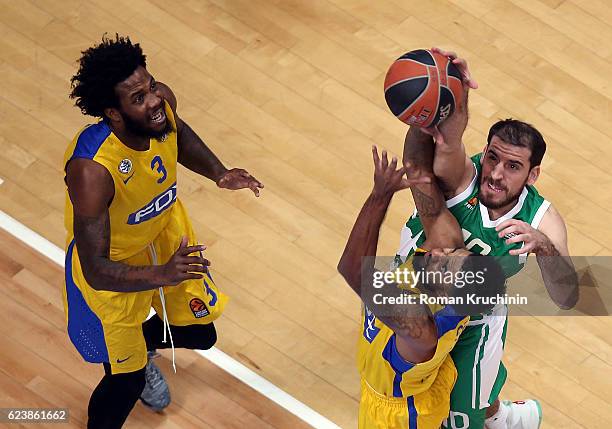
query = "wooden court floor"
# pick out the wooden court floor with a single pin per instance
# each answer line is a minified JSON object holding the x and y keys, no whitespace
{"x":40,"y":368}
{"x":292,"y":91}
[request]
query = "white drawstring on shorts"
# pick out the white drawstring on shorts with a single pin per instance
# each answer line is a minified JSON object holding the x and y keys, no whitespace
{"x":165,"y":313}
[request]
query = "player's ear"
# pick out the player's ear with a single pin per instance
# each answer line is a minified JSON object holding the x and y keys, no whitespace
{"x":113,"y":114}
{"x":534,"y":173}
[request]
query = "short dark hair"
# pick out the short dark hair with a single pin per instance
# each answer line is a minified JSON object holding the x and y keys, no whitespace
{"x":520,"y":133}
{"x":101,"y":68}
{"x":492,"y":286}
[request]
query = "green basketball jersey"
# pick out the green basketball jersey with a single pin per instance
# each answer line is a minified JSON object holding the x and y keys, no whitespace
{"x":478,"y":229}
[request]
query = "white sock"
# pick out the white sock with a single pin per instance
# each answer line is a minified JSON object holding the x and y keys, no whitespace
{"x":498,"y":420}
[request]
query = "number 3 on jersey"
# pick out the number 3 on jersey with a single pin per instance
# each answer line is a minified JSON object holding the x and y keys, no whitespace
{"x":159,"y":164}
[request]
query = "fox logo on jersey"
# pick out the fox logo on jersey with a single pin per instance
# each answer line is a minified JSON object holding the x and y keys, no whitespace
{"x":155,"y":207}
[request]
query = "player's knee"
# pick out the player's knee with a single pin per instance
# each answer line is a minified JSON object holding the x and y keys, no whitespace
{"x":199,"y":337}
{"x":208,"y":337}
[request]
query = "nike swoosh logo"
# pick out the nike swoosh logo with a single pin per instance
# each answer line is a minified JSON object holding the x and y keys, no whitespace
{"x":123,"y":360}
{"x":127,"y":180}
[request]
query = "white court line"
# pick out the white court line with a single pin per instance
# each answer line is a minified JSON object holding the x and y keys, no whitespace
{"x":216,"y":356}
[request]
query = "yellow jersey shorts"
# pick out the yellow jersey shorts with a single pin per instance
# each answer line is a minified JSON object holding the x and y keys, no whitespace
{"x":106,"y":326}
{"x":424,"y":410}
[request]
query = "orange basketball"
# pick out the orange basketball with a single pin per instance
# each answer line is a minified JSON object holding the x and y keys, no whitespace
{"x":422,"y":88}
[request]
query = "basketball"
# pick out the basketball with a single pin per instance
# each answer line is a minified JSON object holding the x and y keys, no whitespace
{"x":422,"y":88}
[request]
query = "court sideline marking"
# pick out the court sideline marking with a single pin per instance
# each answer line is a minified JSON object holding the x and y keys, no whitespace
{"x":214,"y":355}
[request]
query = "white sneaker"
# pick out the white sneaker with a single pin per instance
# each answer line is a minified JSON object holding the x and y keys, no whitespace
{"x":524,"y":414}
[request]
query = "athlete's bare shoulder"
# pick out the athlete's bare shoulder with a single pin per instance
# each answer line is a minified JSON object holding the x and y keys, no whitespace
{"x":90,"y":185}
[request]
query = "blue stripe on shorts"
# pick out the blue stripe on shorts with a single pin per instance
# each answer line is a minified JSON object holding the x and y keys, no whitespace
{"x":84,"y":327}
{"x":412,"y":413}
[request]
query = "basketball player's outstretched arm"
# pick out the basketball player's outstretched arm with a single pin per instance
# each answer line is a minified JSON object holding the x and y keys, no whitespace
{"x":357,"y":261}
{"x":196,"y":156}
{"x":91,"y":190}
{"x":451,"y":165}
{"x":441,"y":227}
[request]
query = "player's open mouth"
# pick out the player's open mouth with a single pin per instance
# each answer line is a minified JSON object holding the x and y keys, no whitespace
{"x":159,"y":117}
{"x":494,"y":188}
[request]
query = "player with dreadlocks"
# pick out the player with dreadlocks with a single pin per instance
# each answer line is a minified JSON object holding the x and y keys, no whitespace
{"x":130,"y":245}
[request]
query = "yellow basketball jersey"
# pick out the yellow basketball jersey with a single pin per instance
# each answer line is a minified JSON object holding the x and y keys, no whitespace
{"x":145,"y":184}
{"x":381,"y":365}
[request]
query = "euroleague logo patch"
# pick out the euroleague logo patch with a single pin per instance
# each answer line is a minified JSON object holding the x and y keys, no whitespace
{"x":125,"y":166}
{"x":198,"y":308}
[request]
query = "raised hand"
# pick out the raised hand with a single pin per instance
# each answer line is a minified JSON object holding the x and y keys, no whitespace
{"x":462,"y":66}
{"x":182,"y":266}
{"x":450,"y":131}
{"x":238,"y":178}
{"x":388,"y":179}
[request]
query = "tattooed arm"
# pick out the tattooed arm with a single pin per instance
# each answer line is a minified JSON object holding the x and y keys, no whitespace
{"x":549,"y":243}
{"x":193,"y":153}
{"x":412,"y":324}
{"x":441,"y":227}
{"x":91,"y":191}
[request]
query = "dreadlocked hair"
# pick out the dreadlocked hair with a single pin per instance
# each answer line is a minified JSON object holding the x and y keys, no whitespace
{"x":101,"y":68}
